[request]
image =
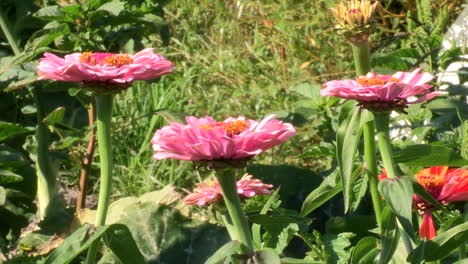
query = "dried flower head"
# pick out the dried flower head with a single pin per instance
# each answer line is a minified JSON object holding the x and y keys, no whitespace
{"x":355,"y":19}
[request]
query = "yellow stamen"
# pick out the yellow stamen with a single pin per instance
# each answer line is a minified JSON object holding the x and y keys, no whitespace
{"x":108,"y":59}
{"x":232,"y":128}
{"x":365,"y":81}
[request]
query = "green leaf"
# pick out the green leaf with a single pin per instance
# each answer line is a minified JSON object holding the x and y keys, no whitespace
{"x":425,"y":155}
{"x":71,"y":247}
{"x":358,"y":191}
{"x":7,"y":176}
{"x":365,"y":251}
{"x":443,"y":244}
{"x":347,"y":138}
{"x":266,"y":256}
{"x":389,"y":235}
{"x":2,"y":195}
{"x":276,"y":219}
{"x":300,"y":261}
{"x":330,"y":187}
{"x":325,"y":149}
{"x":338,"y":246}
{"x":308,"y":90}
{"x":421,"y":192}
{"x":417,"y":256}
{"x":278,"y":236}
{"x":256,"y":232}
{"x":222,"y":253}
{"x":398,"y":194}
{"x":114,"y":8}
{"x":119,"y":239}
{"x":9,"y":130}
{"x":55,"y":117}
{"x":172,"y":116}
{"x":52,"y":13}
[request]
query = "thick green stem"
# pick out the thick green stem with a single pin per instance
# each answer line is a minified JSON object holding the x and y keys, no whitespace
{"x":9,"y":36}
{"x":227,"y":181}
{"x":371,"y":168}
{"x":382,"y":120}
{"x":103,"y":122}
{"x":361,"y":57}
{"x":46,"y":174}
{"x":382,"y":126}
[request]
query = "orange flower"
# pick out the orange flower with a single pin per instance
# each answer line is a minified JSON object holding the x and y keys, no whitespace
{"x":445,"y":185}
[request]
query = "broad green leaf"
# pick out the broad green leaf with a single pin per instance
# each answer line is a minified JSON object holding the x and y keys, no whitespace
{"x":265,"y":256}
{"x":338,"y":246}
{"x":9,"y":130}
{"x":365,"y":251}
{"x":417,"y":256}
{"x":325,"y":149}
{"x":308,"y":90}
{"x":52,"y":13}
{"x":443,"y":244}
{"x":425,"y":155}
{"x":114,"y":8}
{"x":389,"y":235}
{"x":398,"y":194}
{"x":330,"y":187}
{"x":278,"y":236}
{"x":357,"y":224}
{"x":120,"y":241}
{"x":118,"y":238}
{"x":72,"y":246}
{"x":347,"y":138}
{"x":222,"y":253}
{"x":55,"y":117}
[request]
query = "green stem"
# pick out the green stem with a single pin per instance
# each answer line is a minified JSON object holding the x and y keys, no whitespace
{"x":371,"y":168}
{"x":46,"y":175}
{"x":382,"y":120}
{"x":9,"y":36}
{"x":227,"y":181}
{"x":103,"y":122}
{"x":361,"y":57}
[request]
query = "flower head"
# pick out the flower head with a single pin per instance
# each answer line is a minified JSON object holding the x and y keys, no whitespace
{"x":355,"y":19}
{"x":104,"y":69}
{"x":445,"y":185}
{"x":210,"y":192}
{"x":229,"y":141}
{"x":383,"y":92}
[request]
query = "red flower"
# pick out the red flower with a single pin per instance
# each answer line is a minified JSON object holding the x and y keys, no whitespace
{"x":445,"y":185}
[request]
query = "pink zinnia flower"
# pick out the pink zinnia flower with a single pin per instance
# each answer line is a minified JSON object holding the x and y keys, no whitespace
{"x":104,"y":67}
{"x":210,"y":192}
{"x":383,"y":92}
{"x":445,"y":185}
{"x":232,"y":140}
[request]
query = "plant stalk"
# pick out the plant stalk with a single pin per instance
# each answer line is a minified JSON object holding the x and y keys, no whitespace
{"x":46,"y":174}
{"x":382,"y":120}
{"x":361,"y":55}
{"x":86,"y":165}
{"x":9,"y":36}
{"x":103,"y":121}
{"x":227,"y":181}
{"x":371,"y":168}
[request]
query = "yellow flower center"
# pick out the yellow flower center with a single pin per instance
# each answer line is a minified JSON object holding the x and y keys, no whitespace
{"x":433,"y":183}
{"x":108,"y":59}
{"x":232,"y":128}
{"x":365,"y":81}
